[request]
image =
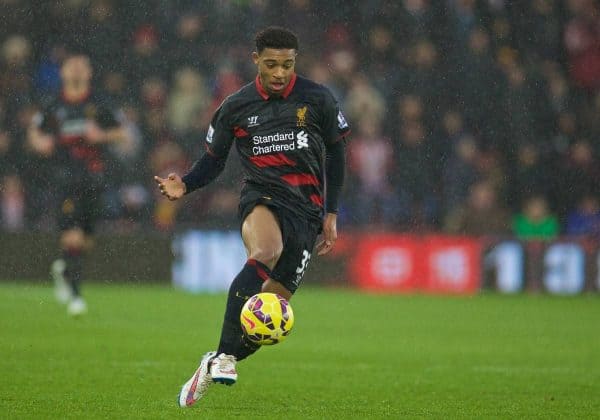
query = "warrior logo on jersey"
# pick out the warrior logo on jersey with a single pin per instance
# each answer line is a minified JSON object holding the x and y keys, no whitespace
{"x":253,"y":121}
{"x":301,"y":116}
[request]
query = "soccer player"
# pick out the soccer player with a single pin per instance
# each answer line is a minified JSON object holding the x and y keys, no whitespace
{"x":72,"y":130}
{"x":290,"y":136}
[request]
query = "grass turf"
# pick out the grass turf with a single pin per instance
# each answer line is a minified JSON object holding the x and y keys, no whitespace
{"x":351,"y":355}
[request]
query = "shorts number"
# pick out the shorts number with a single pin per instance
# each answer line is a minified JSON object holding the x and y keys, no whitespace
{"x":304,"y":263}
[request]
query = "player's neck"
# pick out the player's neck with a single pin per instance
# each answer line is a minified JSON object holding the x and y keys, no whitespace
{"x":76,"y":93}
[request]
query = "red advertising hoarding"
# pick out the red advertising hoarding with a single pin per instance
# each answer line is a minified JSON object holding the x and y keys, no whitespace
{"x":452,"y":264}
{"x":387,"y":263}
{"x":402,"y":263}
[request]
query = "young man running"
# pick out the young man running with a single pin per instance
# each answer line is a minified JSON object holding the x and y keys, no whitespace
{"x":290,"y":136}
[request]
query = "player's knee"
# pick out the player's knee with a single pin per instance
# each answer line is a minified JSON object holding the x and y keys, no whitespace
{"x":267,"y":255}
{"x":273,"y":286}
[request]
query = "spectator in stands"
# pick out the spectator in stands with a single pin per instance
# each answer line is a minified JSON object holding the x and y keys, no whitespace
{"x":371,"y":164}
{"x":364,"y":102}
{"x":584,"y":219}
{"x":187,"y":103}
{"x":413,"y":177}
{"x":420,"y":77}
{"x":480,"y":214}
{"x":380,"y":45}
{"x":582,"y":43}
{"x":144,"y":59}
{"x":16,"y":70}
{"x":7,"y":144}
{"x":475,"y":71}
{"x":460,"y":171}
{"x":12,"y":204}
{"x":579,"y":174}
{"x":538,"y":29}
{"x":436,"y":55}
{"x":517,"y":108}
{"x":535,"y":221}
{"x":190,"y":44}
{"x":529,"y":174}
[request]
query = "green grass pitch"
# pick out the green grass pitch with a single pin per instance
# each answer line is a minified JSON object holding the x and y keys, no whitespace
{"x":350,"y":355}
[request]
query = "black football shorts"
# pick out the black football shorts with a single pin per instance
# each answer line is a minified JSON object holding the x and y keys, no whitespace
{"x":79,"y":206}
{"x":299,"y":237}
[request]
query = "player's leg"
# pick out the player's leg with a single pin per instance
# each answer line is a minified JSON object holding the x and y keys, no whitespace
{"x":273,"y":286}
{"x":263,"y":241}
{"x":76,"y":218}
{"x":72,"y":242}
{"x":284,"y":245}
{"x":70,"y":239}
{"x":88,"y":203}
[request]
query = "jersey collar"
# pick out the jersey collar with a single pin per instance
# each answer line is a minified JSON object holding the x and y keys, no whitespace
{"x":263,"y":93}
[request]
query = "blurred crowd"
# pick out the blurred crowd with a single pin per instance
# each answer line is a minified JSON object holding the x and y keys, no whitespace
{"x":468,"y":116}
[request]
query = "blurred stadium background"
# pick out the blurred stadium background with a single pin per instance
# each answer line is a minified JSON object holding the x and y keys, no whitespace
{"x":477,"y":118}
{"x":473,"y":167}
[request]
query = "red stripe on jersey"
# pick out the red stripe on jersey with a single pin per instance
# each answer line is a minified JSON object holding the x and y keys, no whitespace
{"x":260,"y":89}
{"x":278,"y":159}
{"x":300,"y":179}
{"x":239,"y":132}
{"x":259,"y":270}
{"x":289,"y":87}
{"x":317,"y":199}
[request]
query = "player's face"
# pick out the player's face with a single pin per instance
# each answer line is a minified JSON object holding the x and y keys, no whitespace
{"x":76,"y":69}
{"x":275,"y":68}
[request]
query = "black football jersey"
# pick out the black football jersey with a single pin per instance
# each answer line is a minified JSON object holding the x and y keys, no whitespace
{"x":281,"y":141}
{"x":67,"y":121}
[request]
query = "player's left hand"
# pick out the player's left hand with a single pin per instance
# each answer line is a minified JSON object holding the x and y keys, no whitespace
{"x":329,"y":234}
{"x":171,"y":187}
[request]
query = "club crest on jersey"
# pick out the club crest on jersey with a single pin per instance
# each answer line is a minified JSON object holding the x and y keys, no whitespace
{"x":301,"y":116}
{"x":253,"y":121}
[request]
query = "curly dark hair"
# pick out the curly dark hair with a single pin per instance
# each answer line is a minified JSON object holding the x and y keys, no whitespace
{"x":277,"y":38}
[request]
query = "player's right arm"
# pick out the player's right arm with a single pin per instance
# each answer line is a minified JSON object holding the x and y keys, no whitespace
{"x":40,"y":135}
{"x":218,"y":143}
{"x":207,"y":168}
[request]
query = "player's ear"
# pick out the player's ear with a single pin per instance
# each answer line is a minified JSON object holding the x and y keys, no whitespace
{"x":255,"y":57}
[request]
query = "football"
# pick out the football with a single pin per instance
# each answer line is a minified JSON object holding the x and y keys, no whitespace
{"x":267,"y":319}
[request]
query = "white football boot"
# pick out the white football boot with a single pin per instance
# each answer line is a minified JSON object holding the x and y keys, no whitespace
{"x":62,"y":291}
{"x":77,"y":306}
{"x":195,"y":388}
{"x":222,"y":369}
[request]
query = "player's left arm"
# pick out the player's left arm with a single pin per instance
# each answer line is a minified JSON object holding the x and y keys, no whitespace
{"x":335,"y":164}
{"x":336,"y":131}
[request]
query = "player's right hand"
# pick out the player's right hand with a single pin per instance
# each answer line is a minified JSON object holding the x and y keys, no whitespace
{"x":171,"y":187}
{"x":41,"y":143}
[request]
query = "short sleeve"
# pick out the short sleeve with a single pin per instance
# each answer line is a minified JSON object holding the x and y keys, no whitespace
{"x":219,"y":137}
{"x":335,"y":126}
